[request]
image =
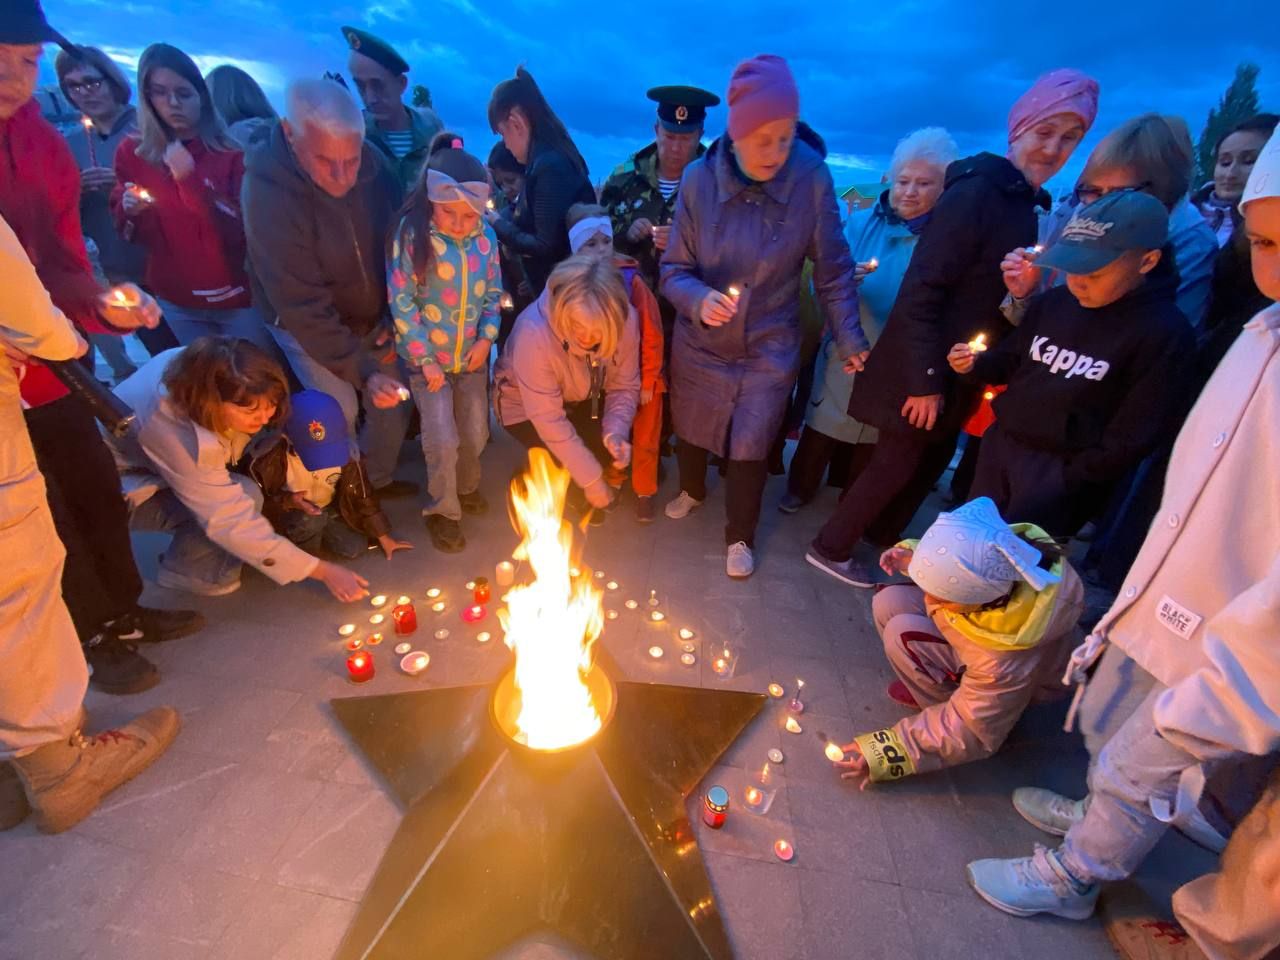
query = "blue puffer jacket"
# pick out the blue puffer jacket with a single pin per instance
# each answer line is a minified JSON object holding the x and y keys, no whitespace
{"x":729,"y":384}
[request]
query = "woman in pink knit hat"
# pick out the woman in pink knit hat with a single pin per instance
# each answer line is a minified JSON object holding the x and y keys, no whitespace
{"x":748,"y":214}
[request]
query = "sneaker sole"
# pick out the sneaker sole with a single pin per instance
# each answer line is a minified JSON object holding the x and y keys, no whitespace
{"x":680,"y":516}
{"x":739,"y":576}
{"x":127,"y":689}
{"x":819,"y":565}
{"x":1039,"y":824}
{"x":169,"y":583}
{"x":1081,"y":913}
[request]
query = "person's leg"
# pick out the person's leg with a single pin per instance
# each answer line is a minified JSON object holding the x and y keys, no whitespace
{"x":312,"y":375}
{"x":692,"y":464}
{"x":306,"y":530}
{"x":246,"y":323}
{"x":990,"y":472}
{"x":471,"y":417}
{"x":887,"y":528}
{"x":926,"y":664}
{"x":526,"y":434}
{"x":192,"y":561}
{"x":439,"y":446}
{"x":1234,"y":913}
{"x":158,"y":340}
{"x":384,"y":432}
{"x":112,"y":350}
{"x":339,"y":539}
{"x":187,"y":323}
{"x":646,"y":438}
{"x":894,"y":461}
{"x":808,"y":463}
{"x":744,"y":489}
{"x":848,"y":461}
{"x":962,"y":479}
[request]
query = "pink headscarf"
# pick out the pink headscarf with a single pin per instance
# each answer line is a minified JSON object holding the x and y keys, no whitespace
{"x":1058,"y":91}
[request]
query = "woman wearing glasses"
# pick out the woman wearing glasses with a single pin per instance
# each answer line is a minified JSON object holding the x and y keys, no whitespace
{"x":178,"y":196}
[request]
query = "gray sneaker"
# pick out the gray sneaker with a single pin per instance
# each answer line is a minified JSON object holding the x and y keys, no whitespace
{"x":1048,"y":811}
{"x":739,"y":561}
{"x":681,"y":506}
{"x":852,"y":571}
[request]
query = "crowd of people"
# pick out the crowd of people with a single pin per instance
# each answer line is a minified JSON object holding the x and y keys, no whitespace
{"x":310,"y":285}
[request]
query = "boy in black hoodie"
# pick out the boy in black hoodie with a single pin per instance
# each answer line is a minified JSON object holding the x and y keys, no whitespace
{"x":1094,"y":370}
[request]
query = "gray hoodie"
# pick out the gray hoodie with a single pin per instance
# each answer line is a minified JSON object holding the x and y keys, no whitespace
{"x":318,"y":262}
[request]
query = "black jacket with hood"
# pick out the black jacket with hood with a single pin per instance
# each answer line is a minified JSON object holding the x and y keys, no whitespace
{"x":951,"y":291}
{"x":1098,"y":386}
{"x":319,"y":262}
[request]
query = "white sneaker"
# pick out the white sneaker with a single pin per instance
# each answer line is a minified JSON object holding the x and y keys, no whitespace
{"x":1051,"y":812}
{"x":1026,"y":886}
{"x":739,"y":562}
{"x":681,"y":506}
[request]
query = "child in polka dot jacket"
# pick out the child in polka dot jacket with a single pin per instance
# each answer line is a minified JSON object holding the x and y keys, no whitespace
{"x":984,"y":628}
{"x":445,"y":286}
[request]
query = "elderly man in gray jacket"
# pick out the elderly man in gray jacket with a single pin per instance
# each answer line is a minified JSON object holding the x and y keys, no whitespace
{"x":318,"y":203}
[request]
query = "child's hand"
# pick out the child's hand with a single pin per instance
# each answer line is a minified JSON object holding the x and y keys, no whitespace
{"x":895,"y":560}
{"x":298,"y":501}
{"x":1021,"y":275}
{"x":434,"y":375}
{"x":385,"y":392}
{"x":619,"y":449}
{"x":390,"y":544}
{"x":856,"y":362}
{"x":478,"y":355}
{"x":961,"y":358}
{"x":854,"y":766}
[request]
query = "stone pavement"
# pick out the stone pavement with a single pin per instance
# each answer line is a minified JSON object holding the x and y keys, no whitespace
{"x":255,"y":837}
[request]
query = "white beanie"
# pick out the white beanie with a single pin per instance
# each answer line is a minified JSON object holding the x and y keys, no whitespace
{"x":971,"y":556}
{"x":1264,"y":178}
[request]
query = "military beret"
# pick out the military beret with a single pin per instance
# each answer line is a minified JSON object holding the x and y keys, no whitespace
{"x":682,"y":109}
{"x":376,"y":49}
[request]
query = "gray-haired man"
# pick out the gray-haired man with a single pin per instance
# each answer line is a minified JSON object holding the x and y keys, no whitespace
{"x":318,"y":203}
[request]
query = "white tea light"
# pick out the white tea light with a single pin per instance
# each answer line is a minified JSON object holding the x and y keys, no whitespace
{"x":657,"y":616}
{"x":686,"y":633}
{"x":438,"y":606}
{"x":793,"y":726}
{"x":377,"y":619}
{"x":403,"y":648}
{"x":631,"y":604}
{"x":775,"y":755}
{"x":483,"y":636}
{"x":402,"y":600}
{"x":346,"y":630}
{"x":688,"y":659}
{"x":433,"y":593}
{"x":833,"y":752}
{"x":776,"y":691}
{"x":378,"y":600}
{"x":442,"y":634}
{"x":656,"y":652}
{"x":414,"y":662}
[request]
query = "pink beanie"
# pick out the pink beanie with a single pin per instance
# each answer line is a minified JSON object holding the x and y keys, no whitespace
{"x":1058,"y":91}
{"x":761,"y":89}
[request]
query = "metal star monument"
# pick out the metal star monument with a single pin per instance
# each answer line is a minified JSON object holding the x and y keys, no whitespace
{"x":499,"y":841}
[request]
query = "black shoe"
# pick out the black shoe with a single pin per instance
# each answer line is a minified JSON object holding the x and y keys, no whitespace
{"x":646,"y":509}
{"x":118,"y":668}
{"x":446,"y":534}
{"x":396,"y":489}
{"x":473,"y":503}
{"x":158,"y":625}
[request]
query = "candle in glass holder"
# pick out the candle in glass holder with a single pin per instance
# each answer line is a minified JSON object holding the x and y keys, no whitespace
{"x":414,"y":662}
{"x":754,"y":797}
{"x":978,"y":344}
{"x":715,"y":807}
{"x":504,"y":574}
{"x":760,"y":790}
{"x":378,"y":600}
{"x":405,"y":618}
{"x":353,"y":643}
{"x":360,"y":666}
{"x":473,"y":614}
{"x":481,"y":591}
{"x":373,"y":639}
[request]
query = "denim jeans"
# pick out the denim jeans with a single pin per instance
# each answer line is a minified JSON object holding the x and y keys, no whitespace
{"x":327,"y":530}
{"x":384,"y":430}
{"x":455,"y":428}
{"x":191,"y":553}
{"x":191,"y":323}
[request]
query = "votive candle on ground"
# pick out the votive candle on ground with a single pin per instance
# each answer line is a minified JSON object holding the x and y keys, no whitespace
{"x":353,"y":643}
{"x":611,"y":614}
{"x":378,"y":600}
{"x":473,"y":614}
{"x":611,"y":585}
{"x":686,"y":633}
{"x":403,"y":599}
{"x":481,"y":591}
{"x":374,"y":639}
{"x":414,"y":662}
{"x":631,"y":604}
{"x":833,"y":752}
{"x":657,"y":616}
{"x":715,"y":807}
{"x":470,"y":584}
{"x":783,"y":851}
{"x":653,"y":598}
{"x":688,"y":659}
{"x":346,"y":630}
{"x":504,"y":574}
{"x":433,"y":593}
{"x":656,"y":652}
{"x":403,"y":648}
{"x":378,"y":619}
{"x":438,"y":606}
{"x":405,"y":618}
{"x":360,"y":666}
{"x":483,"y":636}
{"x":776,"y":691}
{"x":775,"y":755}
{"x":793,"y":726}
{"x":442,"y":634}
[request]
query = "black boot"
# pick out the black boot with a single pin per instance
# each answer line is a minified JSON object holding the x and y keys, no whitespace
{"x":157,"y":625}
{"x":118,"y":668}
{"x":446,"y":534}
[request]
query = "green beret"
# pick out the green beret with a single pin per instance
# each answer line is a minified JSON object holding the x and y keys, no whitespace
{"x":376,"y":49}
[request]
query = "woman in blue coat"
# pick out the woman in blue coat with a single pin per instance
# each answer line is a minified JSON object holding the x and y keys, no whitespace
{"x":747,"y":215}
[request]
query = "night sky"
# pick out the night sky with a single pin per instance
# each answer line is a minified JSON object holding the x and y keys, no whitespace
{"x":868,"y":74}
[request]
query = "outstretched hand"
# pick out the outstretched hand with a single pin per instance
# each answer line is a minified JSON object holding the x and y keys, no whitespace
{"x":854,"y":766}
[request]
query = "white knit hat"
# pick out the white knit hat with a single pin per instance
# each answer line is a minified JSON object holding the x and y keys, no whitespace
{"x":971,"y":556}
{"x":1264,"y":178}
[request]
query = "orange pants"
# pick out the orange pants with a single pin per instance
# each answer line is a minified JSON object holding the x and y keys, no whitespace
{"x":646,"y":438}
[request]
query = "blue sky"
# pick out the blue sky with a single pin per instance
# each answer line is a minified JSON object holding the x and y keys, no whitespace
{"x":866,"y":78}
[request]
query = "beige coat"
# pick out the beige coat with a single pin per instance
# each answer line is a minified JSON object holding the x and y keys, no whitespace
{"x":43,"y":680}
{"x":1200,"y":609}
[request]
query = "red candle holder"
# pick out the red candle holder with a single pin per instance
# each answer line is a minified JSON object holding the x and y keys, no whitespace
{"x":715,"y":807}
{"x":405,"y":619}
{"x":482,"y":594}
{"x":360,"y":666}
{"x":473,"y":614}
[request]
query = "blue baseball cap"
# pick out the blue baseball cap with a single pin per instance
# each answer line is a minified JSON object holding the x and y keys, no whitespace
{"x":318,"y":430}
{"x":1105,"y":230}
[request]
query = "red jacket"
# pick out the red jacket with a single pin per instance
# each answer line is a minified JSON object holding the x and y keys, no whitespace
{"x":193,"y":232}
{"x":646,"y":307}
{"x":40,"y":200}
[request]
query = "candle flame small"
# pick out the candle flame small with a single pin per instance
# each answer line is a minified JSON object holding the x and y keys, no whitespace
{"x":833,"y":752}
{"x":346,"y":630}
{"x":88,"y":124}
{"x":754,"y":796}
{"x":612,"y":584}
{"x":979,"y":343}
{"x":656,"y":652}
{"x":490,"y":204}
{"x":376,"y":619}
{"x":989,"y":395}
{"x":435,"y":592}
{"x":686,"y":633}
{"x":657,"y":616}
{"x":793,"y":726}
{"x":403,"y":600}
{"x":1036,"y":250}
{"x":483,"y":636}
{"x":379,"y":599}
{"x":873,"y":264}
{"x":735,"y":292}
{"x":438,"y":606}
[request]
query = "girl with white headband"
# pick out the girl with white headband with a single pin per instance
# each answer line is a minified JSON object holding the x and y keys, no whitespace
{"x":591,"y":233}
{"x":444,"y":284}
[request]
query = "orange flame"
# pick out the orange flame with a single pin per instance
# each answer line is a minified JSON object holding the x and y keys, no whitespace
{"x":552,"y":623}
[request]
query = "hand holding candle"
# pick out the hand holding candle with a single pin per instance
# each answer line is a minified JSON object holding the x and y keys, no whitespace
{"x":962,"y":357}
{"x":1021,"y":275}
{"x":126,"y":307}
{"x":718,"y":308}
{"x":88,"y":137}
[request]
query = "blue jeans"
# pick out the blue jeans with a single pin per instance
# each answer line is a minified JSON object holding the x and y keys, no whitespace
{"x":191,"y":553}
{"x":190,"y":323}
{"x":327,"y":530}
{"x":384,"y":430}
{"x":455,"y":428}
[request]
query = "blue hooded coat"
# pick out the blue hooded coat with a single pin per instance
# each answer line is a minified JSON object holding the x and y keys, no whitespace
{"x":729,"y":384}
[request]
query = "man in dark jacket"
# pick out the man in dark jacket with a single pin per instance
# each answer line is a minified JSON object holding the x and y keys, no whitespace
{"x":952,"y":291}
{"x":1095,"y":370}
{"x":318,"y":204}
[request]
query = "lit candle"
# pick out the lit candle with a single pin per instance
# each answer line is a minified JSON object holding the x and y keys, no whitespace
{"x":978,"y":344}
{"x":715,"y":807}
{"x":793,"y":726}
{"x":656,"y":652}
{"x":776,"y":691}
{"x":612,"y":585}
{"x":504,"y":574}
{"x":686,"y":633}
{"x":403,"y":393}
{"x":775,"y":755}
{"x":473,"y":614}
{"x":406,"y":619}
{"x":735,"y":293}
{"x":374,"y":639}
{"x":346,"y":630}
{"x":988,"y":395}
{"x":653,"y":598}
{"x":505,"y":301}
{"x":88,"y":138}
{"x":796,"y":705}
{"x":471,"y":584}
{"x":379,"y":600}
{"x":631,"y":604}
{"x":575,"y":572}
{"x":599,"y":574}
{"x":754,"y":797}
{"x":783,"y":851}
{"x":1036,"y":250}
{"x":145,"y":196}
{"x":438,"y":606}
{"x":377,"y":619}
{"x":688,"y":659}
{"x":720,"y":665}
{"x":611,"y":614}
{"x":402,"y":600}
{"x":481,"y":591}
{"x":483,"y":636}
{"x":873,"y":265}
{"x":353,"y":643}
{"x":657,"y":616}
{"x":123,"y":297}
{"x":442,"y":634}
{"x":833,"y":752}
{"x":433,"y":593}
{"x":490,"y":205}
{"x":360,"y":666}
{"x":403,"y":648}
{"x":414,"y":662}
